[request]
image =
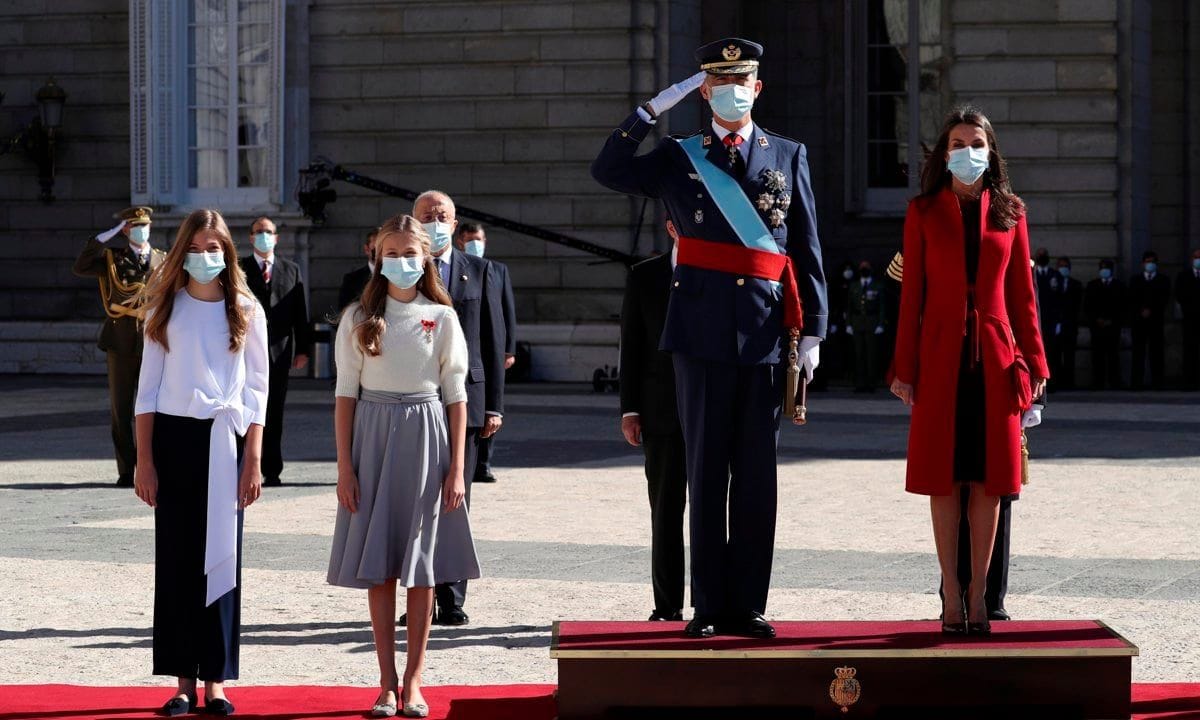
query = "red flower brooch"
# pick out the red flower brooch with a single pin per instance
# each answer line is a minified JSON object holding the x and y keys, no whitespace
{"x":428,"y":326}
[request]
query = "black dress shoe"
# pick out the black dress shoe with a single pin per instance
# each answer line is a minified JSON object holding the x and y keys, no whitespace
{"x":272,"y":482}
{"x":451,"y":616}
{"x":125,"y":481}
{"x":701,"y":627}
{"x":218,"y":706}
{"x":749,"y":624}
{"x":999,"y":614}
{"x":177,"y":706}
{"x":668,"y":615}
{"x":486,"y":477}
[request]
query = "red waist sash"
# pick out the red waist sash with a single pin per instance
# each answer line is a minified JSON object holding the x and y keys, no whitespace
{"x":741,"y":260}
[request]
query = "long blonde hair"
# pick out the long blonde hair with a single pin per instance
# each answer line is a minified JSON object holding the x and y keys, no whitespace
{"x":158,"y":297}
{"x":371,"y":325}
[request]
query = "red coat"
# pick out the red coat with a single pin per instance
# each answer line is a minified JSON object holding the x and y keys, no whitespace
{"x":933,"y":311}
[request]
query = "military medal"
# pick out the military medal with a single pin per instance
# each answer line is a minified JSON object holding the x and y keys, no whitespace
{"x":698,"y":217}
{"x":777,"y":217}
{"x":784,"y":201}
{"x":775,"y":180}
{"x":428,"y":326}
{"x":766,"y":201}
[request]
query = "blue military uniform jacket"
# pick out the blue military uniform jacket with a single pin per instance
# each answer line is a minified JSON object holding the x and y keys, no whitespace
{"x":712,"y":315}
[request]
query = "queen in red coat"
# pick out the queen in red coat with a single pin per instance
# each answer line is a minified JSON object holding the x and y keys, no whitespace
{"x":969,"y":353}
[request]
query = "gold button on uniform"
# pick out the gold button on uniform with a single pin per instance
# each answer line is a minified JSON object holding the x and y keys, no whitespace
{"x":676,"y":283}
{"x":741,"y":281}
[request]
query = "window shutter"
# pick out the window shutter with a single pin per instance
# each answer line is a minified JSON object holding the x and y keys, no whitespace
{"x":165,"y":71}
{"x":278,"y":79}
{"x":139,"y":108}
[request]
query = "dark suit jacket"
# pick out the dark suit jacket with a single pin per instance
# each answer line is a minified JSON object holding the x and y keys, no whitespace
{"x":508,"y":307}
{"x":122,"y":335}
{"x":1187,"y":292}
{"x":353,"y":283}
{"x":1152,"y":295}
{"x":1104,"y":302}
{"x":1044,"y":285}
{"x":1068,"y":298}
{"x":647,"y":374}
{"x":475,"y":288}
{"x":288,"y":331}
{"x":710,"y":316}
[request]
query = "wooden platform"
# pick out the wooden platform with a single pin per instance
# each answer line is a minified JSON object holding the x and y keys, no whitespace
{"x":1026,"y":669}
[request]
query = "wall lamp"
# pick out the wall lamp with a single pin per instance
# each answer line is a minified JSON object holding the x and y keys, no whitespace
{"x":38,"y":138}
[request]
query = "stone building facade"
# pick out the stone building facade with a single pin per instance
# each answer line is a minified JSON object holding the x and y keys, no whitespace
{"x":503,"y":104}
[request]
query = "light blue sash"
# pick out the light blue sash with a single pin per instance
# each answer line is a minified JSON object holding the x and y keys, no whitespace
{"x":731,"y":200}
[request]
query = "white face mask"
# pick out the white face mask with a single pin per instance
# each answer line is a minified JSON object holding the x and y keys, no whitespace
{"x":139,"y":234}
{"x":439,"y":235}
{"x":731,"y":102}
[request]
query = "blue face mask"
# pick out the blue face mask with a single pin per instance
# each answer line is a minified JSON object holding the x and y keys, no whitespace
{"x":731,"y":102}
{"x":139,"y":234}
{"x":403,"y":272}
{"x":1064,"y":271}
{"x":1105,"y":273}
{"x":439,"y":234}
{"x":1151,"y":267}
{"x":968,"y":164}
{"x":473,"y":247}
{"x":204,"y":267}
{"x":1196,"y":263}
{"x":264,"y":242}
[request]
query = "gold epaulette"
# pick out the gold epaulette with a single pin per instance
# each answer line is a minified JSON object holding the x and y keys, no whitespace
{"x":895,"y":268}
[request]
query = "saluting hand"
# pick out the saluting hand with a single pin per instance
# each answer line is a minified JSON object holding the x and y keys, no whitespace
{"x":671,"y":97}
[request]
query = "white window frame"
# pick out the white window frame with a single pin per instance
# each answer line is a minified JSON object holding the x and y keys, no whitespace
{"x":872,"y":201}
{"x":158,"y":95}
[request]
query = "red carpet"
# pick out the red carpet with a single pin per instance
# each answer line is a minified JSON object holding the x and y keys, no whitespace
{"x":1022,"y":635}
{"x":1166,"y":701}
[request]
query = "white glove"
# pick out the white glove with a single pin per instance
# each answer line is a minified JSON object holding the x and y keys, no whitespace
{"x":110,"y":234}
{"x":878,"y":329}
{"x":1032,"y":417}
{"x":833,"y":329}
{"x":810,"y":354}
{"x":670,"y":97}
{"x":849,"y":330}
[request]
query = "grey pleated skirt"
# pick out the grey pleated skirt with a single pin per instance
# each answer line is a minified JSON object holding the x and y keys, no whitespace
{"x":401,"y":455}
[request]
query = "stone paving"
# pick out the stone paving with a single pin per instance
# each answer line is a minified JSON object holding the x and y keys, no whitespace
{"x":1107,"y":529}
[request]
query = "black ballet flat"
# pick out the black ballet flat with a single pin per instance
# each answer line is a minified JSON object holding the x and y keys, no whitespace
{"x":218,"y":706}
{"x":177,"y":706}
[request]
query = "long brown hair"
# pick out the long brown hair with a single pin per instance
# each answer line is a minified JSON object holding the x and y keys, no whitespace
{"x":1005,"y":208}
{"x":371,"y":325}
{"x":158,"y":297}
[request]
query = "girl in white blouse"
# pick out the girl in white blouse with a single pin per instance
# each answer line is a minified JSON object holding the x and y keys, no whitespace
{"x":401,"y":518}
{"x":201,"y":403}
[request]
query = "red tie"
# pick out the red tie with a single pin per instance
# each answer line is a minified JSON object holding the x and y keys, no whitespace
{"x":266,"y":272}
{"x":733,"y":140}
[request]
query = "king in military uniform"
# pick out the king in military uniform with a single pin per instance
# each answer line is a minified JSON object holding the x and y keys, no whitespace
{"x":748,"y":273}
{"x":122,"y":269}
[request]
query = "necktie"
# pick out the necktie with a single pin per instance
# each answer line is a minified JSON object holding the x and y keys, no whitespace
{"x":444,"y":271}
{"x":266,"y":272}
{"x":737,"y":166}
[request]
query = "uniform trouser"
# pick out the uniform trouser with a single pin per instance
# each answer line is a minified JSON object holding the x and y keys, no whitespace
{"x":272,"y":444}
{"x":190,"y":640}
{"x":1062,"y":357}
{"x":1106,"y":359}
{"x":454,"y":594}
{"x":997,"y":578}
{"x":483,"y":466}
{"x":730,"y":418}
{"x":866,"y":355}
{"x":122,"y":390}
{"x":1191,"y":353}
{"x":666,"y":481}
{"x":1147,"y":339}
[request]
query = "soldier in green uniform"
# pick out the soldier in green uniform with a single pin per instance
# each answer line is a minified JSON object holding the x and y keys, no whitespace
{"x":867,"y":316}
{"x":122,"y":267}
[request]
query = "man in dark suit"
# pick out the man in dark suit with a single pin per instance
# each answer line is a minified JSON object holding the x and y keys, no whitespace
{"x":1187,"y":292}
{"x":1103,"y":308}
{"x":1068,"y":299}
{"x":866,"y":321}
{"x":475,"y":287}
{"x":354,"y":281}
{"x":470,"y":238}
{"x":1043,"y":278}
{"x":276,"y":282}
{"x":748,"y":274}
{"x":122,"y":267}
{"x":649,"y":418}
{"x":1149,"y":295}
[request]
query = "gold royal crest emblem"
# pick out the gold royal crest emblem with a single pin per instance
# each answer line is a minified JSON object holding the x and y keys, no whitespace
{"x":845,"y":690}
{"x":732,"y":52}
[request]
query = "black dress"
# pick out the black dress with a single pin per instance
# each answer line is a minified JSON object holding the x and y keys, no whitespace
{"x":969,"y":423}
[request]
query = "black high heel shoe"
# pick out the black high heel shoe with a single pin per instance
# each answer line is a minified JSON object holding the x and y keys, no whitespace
{"x":979,"y":628}
{"x":958,"y":628}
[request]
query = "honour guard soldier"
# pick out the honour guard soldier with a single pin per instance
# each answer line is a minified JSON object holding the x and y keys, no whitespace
{"x":122,"y":270}
{"x":748,"y":254}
